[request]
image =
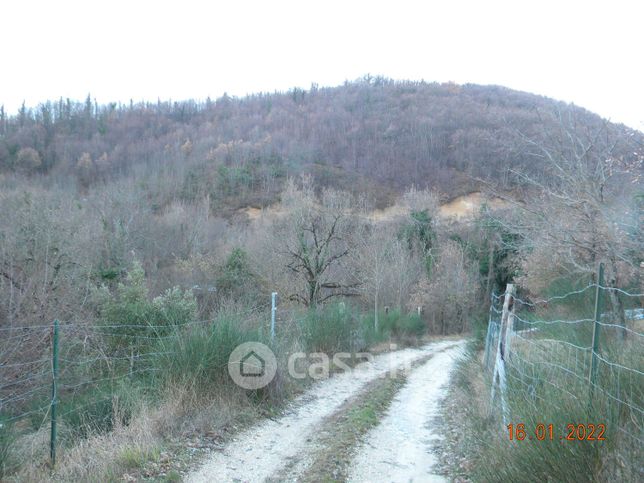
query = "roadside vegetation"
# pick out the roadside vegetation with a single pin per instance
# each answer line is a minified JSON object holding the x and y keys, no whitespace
{"x":140,"y":367}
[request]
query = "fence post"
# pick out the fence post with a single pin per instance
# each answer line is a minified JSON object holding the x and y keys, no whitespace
{"x":54,"y":394}
{"x":499,"y":363}
{"x":273,"y":311}
{"x":509,"y":329}
{"x":488,"y":337}
{"x":506,"y":320}
{"x":598,"y":315}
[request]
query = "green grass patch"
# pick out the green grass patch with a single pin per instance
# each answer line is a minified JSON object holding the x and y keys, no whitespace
{"x":134,"y":457}
{"x":393,"y":325}
{"x":330,"y":329}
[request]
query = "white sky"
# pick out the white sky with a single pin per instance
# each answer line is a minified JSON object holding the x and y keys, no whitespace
{"x":586,"y":52}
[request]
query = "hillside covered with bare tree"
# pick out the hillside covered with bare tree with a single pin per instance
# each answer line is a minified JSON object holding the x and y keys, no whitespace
{"x":370,"y":134}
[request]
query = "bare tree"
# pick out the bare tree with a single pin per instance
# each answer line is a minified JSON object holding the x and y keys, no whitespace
{"x":450,"y":293}
{"x":314,"y":243}
{"x":374,"y":257}
{"x":582,"y":207}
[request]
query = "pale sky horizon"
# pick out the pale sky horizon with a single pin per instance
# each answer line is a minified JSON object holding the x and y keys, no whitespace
{"x":587,"y":53}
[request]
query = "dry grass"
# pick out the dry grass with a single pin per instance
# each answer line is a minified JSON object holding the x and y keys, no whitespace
{"x":127,"y":452}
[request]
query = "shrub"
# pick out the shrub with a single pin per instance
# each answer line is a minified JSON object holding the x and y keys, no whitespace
{"x":175,"y":307}
{"x":129,"y":318}
{"x":393,"y":324}
{"x":330,"y":329}
{"x":198,"y":355}
{"x":237,"y":279}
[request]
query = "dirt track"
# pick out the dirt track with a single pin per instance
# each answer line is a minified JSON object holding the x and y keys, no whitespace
{"x":262,"y":452}
{"x":397,"y":449}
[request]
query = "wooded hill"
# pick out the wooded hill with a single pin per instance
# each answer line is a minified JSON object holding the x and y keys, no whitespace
{"x":375,"y":135}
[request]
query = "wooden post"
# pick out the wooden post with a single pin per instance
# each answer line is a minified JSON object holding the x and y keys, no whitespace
{"x":488,"y":337}
{"x":509,"y":329}
{"x":505,"y":319}
{"x":499,"y":363}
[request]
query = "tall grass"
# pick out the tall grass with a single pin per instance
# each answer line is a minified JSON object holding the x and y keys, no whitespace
{"x":335,"y":328}
{"x":185,"y":367}
{"x":393,"y":325}
{"x":198,"y":355}
{"x":8,"y":462}
{"x":330,"y":329}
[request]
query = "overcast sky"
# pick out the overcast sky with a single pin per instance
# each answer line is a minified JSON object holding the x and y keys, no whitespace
{"x":586,"y":52}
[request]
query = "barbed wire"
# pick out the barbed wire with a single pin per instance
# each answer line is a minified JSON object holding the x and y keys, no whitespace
{"x":623,"y":292}
{"x":555,"y":341}
{"x":535,"y":378}
{"x":90,"y":403}
{"x":619,"y":400}
{"x":28,"y":327}
{"x":136,"y":326}
{"x":109,"y":378}
{"x":21,"y":396}
{"x":566,"y":295}
{"x":20,"y":364}
{"x":28,"y":413}
{"x":29,"y":378}
{"x":112,"y":326}
{"x":105,"y":358}
{"x":641,"y":441}
{"x":621,"y":327}
{"x":550,"y":322}
{"x":615,"y":364}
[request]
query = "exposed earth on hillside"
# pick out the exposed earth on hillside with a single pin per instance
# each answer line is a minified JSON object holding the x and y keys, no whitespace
{"x":462,"y":207}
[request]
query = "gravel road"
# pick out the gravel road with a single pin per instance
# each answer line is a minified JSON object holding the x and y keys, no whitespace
{"x":398,"y":449}
{"x":260,"y":452}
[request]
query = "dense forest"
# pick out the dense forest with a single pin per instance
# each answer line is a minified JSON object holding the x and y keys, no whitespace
{"x":374,"y":135}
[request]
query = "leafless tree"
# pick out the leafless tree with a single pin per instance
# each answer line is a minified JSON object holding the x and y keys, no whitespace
{"x":450,"y":294}
{"x":314,"y":243}
{"x":582,"y":207}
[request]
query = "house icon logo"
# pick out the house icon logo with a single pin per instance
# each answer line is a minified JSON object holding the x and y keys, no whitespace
{"x":252,"y":365}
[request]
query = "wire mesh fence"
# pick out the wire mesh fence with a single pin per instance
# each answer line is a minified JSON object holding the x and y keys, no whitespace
{"x":571,"y":354}
{"x":77,"y":379}
{"x":84,"y":377}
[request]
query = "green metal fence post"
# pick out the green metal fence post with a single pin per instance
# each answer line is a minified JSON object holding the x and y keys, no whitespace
{"x":592,"y":376}
{"x":54,"y":394}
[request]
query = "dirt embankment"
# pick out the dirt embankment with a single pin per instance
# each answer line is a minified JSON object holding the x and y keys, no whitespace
{"x":462,"y":207}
